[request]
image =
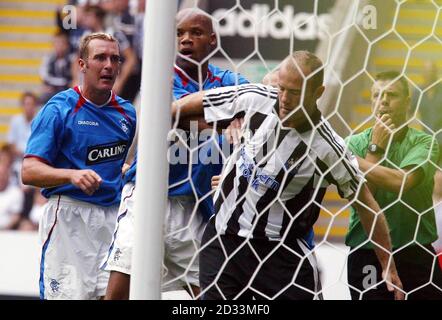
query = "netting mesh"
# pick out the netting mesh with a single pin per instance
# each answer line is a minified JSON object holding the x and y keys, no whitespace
{"x":355,"y":40}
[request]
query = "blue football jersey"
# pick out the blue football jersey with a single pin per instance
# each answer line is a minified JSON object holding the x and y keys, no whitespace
{"x":179,"y":181}
{"x":202,"y":174}
{"x":183,"y":84}
{"x":70,"y":132}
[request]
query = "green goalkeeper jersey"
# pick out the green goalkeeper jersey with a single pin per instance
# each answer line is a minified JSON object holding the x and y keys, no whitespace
{"x":410,"y":216}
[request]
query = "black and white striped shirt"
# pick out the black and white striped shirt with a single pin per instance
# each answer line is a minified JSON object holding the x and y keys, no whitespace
{"x":273,"y":183}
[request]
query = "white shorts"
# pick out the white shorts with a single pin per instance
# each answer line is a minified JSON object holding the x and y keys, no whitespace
{"x":75,"y":237}
{"x":183,"y":230}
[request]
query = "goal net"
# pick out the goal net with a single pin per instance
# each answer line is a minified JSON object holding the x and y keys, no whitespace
{"x":356,"y":40}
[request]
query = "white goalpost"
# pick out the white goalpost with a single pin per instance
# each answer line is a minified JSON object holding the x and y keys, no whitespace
{"x":154,"y":124}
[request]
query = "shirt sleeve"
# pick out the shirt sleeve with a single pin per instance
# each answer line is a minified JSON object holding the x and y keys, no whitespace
{"x":344,"y":169}
{"x":134,"y":119}
{"x":178,"y":91}
{"x":46,"y":134}
{"x":356,"y":146}
{"x":232,"y":78}
{"x":420,"y":155}
{"x":228,"y":103}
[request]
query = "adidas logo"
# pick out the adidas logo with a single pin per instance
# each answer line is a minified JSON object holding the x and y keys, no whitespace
{"x":278,"y":26}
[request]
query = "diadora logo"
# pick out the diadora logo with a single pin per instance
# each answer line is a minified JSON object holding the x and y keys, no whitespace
{"x":304,"y":25}
{"x":88,"y":123}
{"x":106,"y":152}
{"x":124,"y":125}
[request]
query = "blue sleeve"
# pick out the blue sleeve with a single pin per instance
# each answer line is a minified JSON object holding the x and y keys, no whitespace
{"x":230,"y":79}
{"x":179,"y":93}
{"x":46,"y":134}
{"x":132,"y":114}
{"x":178,"y":90}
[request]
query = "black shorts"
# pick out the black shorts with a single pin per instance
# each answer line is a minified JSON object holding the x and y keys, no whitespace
{"x":414,"y":265}
{"x":255,"y":271}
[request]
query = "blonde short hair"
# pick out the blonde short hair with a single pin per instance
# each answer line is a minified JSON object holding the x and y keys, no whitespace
{"x":83,"y":50}
{"x":312,"y":62}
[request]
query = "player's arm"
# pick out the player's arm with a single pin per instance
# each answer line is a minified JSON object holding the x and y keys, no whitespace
{"x":347,"y":176}
{"x":219,"y":106}
{"x":414,"y":167}
{"x":188,"y":106}
{"x":190,"y":109}
{"x":126,"y":166}
{"x":379,"y":176}
{"x":390,"y":179}
{"x":131,"y":153}
{"x":189,"y":122}
{"x":366,"y":209}
{"x":37,"y":173}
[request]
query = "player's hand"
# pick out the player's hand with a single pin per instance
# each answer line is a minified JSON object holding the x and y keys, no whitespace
{"x":87,"y":180}
{"x":124,"y":169}
{"x":382,"y":130}
{"x":215,"y":182}
{"x":393,"y":283}
{"x":233,"y":131}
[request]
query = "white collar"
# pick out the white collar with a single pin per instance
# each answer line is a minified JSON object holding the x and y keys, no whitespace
{"x":96,"y":105}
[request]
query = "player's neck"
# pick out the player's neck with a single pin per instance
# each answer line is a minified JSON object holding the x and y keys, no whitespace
{"x":193,"y":72}
{"x":304,"y":124}
{"x":97,"y":97}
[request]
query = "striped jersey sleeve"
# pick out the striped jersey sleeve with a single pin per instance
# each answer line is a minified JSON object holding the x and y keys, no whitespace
{"x":338,"y":164}
{"x":228,"y":103}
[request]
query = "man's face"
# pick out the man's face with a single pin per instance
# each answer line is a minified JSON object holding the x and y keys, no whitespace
{"x":391,"y":100}
{"x":195,"y":39}
{"x":290,"y":84}
{"x":101,"y":67}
